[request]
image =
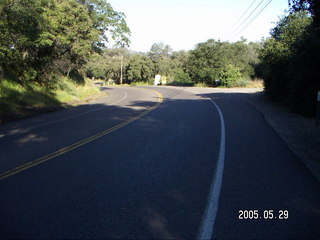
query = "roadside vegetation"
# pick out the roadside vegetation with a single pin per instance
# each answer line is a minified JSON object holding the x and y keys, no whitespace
{"x":44,"y":47}
{"x":212,"y":63}
{"x":290,"y":58}
{"x":49,"y":47}
{"x":21,"y":100}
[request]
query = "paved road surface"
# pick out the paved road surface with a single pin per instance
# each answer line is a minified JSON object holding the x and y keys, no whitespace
{"x":156,"y":174}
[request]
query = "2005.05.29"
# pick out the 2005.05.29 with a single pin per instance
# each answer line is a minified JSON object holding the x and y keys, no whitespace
{"x":266,"y":214}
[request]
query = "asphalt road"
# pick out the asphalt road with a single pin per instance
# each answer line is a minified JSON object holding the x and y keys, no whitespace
{"x":136,"y":166}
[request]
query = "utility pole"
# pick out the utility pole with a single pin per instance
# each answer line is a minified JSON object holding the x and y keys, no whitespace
{"x":121,"y":57}
{"x":121,"y":66}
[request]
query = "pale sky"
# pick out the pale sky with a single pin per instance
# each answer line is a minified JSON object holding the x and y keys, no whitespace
{"x":184,"y":23}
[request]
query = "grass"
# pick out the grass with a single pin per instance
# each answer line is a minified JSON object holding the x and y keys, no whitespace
{"x":242,"y":83}
{"x":23,"y":100}
{"x":201,"y":84}
{"x":255,"y":83}
{"x":246,"y":83}
{"x":140,"y":83}
{"x":68,"y":91}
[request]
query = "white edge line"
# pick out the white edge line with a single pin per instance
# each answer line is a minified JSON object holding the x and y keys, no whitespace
{"x":76,"y":115}
{"x":209,"y":217}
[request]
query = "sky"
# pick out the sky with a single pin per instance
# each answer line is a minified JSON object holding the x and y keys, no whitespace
{"x":184,"y":23}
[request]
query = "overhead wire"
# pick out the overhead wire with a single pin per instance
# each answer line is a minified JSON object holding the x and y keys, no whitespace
{"x":248,"y":24}
{"x":236,"y":23}
{"x":243,"y":22}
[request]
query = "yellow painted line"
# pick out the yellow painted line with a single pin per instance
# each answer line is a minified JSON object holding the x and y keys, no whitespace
{"x":80,"y":143}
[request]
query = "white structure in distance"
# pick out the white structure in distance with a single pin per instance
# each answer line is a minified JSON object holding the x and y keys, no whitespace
{"x":157,"y":79}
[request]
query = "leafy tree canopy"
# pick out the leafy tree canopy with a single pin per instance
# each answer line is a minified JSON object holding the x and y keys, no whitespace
{"x":42,"y":37}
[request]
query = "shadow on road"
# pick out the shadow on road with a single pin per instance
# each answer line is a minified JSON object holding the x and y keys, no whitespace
{"x":148,"y":179}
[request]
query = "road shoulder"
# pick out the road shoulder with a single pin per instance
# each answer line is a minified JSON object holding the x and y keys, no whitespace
{"x":301,"y":135}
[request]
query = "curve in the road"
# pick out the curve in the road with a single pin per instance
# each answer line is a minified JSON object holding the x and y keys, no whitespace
{"x":69,"y":117}
{"x":82,"y":142}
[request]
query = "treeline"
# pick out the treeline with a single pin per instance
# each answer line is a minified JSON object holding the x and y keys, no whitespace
{"x":232,"y":64}
{"x":43,"y":43}
{"x":290,"y":58}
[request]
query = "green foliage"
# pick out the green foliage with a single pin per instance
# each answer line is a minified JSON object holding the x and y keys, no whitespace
{"x":42,"y":38}
{"x":243,"y":82}
{"x":311,"y":6}
{"x":23,"y":99}
{"x":180,"y":78}
{"x":212,"y":60}
{"x":67,"y":91}
{"x":14,"y":97}
{"x":230,"y":75}
{"x":41,"y":41}
{"x":206,"y":62}
{"x":201,"y":84}
{"x":159,"y":51}
{"x":139,"y":68}
{"x":209,"y":61}
{"x":160,"y":55}
{"x":97,"y":67}
{"x":289,"y":63}
{"x":140,"y":83}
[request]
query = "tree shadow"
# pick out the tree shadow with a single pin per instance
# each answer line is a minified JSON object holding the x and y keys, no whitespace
{"x":165,"y":205}
{"x":147,"y":179}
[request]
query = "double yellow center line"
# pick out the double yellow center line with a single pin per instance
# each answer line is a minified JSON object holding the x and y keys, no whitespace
{"x":80,"y":143}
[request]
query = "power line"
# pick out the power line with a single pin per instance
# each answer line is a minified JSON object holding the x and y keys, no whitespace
{"x":245,"y":27}
{"x":236,"y":23}
{"x":243,"y":22}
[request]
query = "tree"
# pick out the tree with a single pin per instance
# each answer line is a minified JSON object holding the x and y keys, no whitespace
{"x":312,"y":6}
{"x":140,"y":68}
{"x":72,"y":42}
{"x":107,"y":20}
{"x":290,"y":59}
{"x":160,"y":55}
{"x":206,"y":62}
{"x":178,"y":68}
{"x":21,"y":24}
{"x":41,"y":38}
{"x":159,"y":51}
{"x":97,"y":67}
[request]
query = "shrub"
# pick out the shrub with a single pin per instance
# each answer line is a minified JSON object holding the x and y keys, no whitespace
{"x":230,"y":75}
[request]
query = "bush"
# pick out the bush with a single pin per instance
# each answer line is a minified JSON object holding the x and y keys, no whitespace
{"x":140,"y":83}
{"x":180,"y":78}
{"x":230,"y":75}
{"x":242,"y":82}
{"x":201,"y":84}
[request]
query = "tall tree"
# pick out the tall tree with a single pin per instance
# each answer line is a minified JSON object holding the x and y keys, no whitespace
{"x":41,"y":37}
{"x":140,"y":68}
{"x":160,"y":55}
